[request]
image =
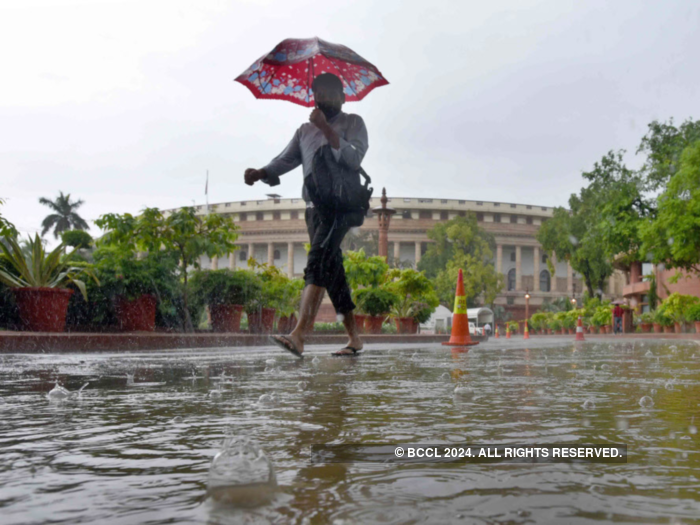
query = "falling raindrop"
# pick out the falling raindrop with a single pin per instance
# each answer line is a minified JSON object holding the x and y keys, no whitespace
{"x":573,"y":240}
{"x":302,"y":385}
{"x":270,"y":362}
{"x":646,"y":402}
{"x":622,"y":423}
{"x":340,"y":318}
{"x":669,"y":385}
{"x":176,"y":419}
{"x":267,"y":399}
{"x":649,"y":354}
{"x":692,"y":429}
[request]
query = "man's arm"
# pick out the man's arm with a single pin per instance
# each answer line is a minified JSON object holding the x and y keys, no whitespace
{"x":286,"y":161}
{"x":352,"y":148}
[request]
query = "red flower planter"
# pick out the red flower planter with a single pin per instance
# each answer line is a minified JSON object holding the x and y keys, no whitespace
{"x":43,"y":309}
{"x":658,"y":328}
{"x":668,"y":329}
{"x":286,"y":324}
{"x":138,"y":315}
{"x":678,"y":328}
{"x":226,"y":317}
{"x":262,"y":322}
{"x":404,"y":325}
{"x":373,"y":324}
{"x":414,"y":326}
{"x":697,"y":327}
{"x":360,"y":322}
{"x":646,"y":328}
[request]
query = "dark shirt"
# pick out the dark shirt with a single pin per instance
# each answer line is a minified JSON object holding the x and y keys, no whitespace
{"x":618,"y":311}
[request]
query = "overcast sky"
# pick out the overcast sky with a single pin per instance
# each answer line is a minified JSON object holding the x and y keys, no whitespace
{"x":127,"y":104}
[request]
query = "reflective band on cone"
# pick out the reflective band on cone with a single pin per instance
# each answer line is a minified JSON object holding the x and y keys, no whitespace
{"x":460,"y":322}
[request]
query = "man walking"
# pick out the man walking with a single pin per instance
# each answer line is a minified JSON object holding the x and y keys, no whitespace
{"x":618,"y":312}
{"x":347,"y":136}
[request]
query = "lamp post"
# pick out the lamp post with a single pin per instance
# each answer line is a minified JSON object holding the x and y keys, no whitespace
{"x":527,"y":305}
{"x":573,"y":299}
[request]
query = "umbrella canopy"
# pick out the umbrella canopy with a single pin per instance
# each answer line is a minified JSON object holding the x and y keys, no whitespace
{"x":286,"y":72}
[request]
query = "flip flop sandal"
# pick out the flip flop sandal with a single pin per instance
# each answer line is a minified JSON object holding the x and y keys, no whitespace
{"x":355,"y":352}
{"x":286,"y":344}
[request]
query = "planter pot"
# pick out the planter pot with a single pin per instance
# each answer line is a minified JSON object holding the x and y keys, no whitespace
{"x":571,"y":331}
{"x":657,"y":328}
{"x":262,"y":321}
{"x":668,"y":329}
{"x":596,"y":329}
{"x":226,"y":317}
{"x":360,"y":322}
{"x":646,"y":328}
{"x":678,"y":328}
{"x":414,"y":326}
{"x":286,"y":324}
{"x":559,"y":332}
{"x":373,"y":324}
{"x":549,"y":331}
{"x":138,"y":315}
{"x":404,"y":325}
{"x":697,"y":327}
{"x":43,"y":309}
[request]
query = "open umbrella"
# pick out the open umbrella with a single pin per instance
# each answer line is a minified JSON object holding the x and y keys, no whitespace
{"x":286,"y":72}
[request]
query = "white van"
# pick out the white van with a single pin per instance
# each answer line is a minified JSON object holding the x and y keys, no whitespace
{"x":473,"y":330}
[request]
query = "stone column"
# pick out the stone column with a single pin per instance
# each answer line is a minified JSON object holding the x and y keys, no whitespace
{"x":569,"y":278}
{"x":215,"y":263}
{"x":518,"y":269}
{"x":418,"y":254}
{"x":536,"y":269}
{"x":499,"y":258}
{"x":611,"y":285}
{"x":270,"y":254}
{"x":251,"y":251}
{"x":232,"y":261}
{"x":290,"y":259}
{"x":397,"y":251}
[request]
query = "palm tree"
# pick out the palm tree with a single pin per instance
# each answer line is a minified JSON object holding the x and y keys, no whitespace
{"x":65,"y":217}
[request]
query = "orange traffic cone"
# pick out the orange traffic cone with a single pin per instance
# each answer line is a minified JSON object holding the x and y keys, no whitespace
{"x":460,"y":323}
{"x":496,"y":333}
{"x":579,"y":330}
{"x":526,"y":335}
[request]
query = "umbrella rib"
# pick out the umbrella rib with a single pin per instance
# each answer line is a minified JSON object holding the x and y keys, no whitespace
{"x":332,"y":61}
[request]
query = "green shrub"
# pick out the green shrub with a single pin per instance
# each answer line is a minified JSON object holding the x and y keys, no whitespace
{"x":376,"y":301}
{"x":693,"y":313}
{"x":212,"y":287}
{"x":662,"y":318}
{"x":676,"y":306}
{"x":538,"y":321}
{"x":77,"y":239}
{"x":647,"y":318}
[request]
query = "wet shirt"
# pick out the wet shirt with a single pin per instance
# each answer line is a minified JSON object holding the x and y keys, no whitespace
{"x":308,"y":138}
{"x":617,"y":311}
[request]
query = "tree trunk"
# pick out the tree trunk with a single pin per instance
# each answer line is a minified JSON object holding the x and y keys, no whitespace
{"x":188,"y":320}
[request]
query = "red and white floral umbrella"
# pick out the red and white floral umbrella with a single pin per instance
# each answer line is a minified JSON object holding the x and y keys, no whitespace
{"x":286,"y":73}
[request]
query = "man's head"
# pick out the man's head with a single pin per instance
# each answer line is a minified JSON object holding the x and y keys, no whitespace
{"x":328,"y":94}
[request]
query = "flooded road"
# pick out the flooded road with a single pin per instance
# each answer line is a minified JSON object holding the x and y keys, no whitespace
{"x":136,"y":444}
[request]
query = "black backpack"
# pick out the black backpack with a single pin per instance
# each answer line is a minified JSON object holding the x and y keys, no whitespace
{"x":337,"y":189}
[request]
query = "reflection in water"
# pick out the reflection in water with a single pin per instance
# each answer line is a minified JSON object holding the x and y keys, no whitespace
{"x":119,"y":454}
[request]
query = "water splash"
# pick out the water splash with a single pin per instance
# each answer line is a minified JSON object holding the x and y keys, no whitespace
{"x":588,"y":404}
{"x":59,"y":393}
{"x":241,"y":474}
{"x":646,"y":402}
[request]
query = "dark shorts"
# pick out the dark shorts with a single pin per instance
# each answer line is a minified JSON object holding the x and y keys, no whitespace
{"x":324,"y":266}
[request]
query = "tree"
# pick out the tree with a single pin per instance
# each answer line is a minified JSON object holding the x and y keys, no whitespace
{"x":460,"y":243}
{"x":673,"y":236}
{"x":77,"y":239}
{"x":577,"y":235}
{"x":65,"y":216}
{"x":183,"y":232}
{"x":7,"y":229}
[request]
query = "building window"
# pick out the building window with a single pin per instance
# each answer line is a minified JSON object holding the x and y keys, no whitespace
{"x":513,"y":219}
{"x":276,"y":216}
{"x":227,"y":205}
{"x":528,"y":207}
{"x":443,"y":215}
{"x":512,"y":256}
{"x":528,"y":220}
{"x":407,"y":200}
{"x":243,"y":257}
{"x":480,"y":217}
{"x":544,"y":208}
{"x":496,"y":217}
{"x":425,"y":214}
{"x":406,"y":214}
{"x":443,"y":201}
{"x":243,"y":203}
{"x":259,"y":216}
{"x":462,"y":202}
{"x":510,"y":300}
{"x":478,"y":203}
{"x":511,"y":280}
{"x":277,"y":255}
{"x":295,"y":215}
{"x":545,"y":281}
{"x":512,"y":205}
{"x":425,"y":200}
{"x":242,"y":217}
{"x":496,"y":203}
{"x":544,"y":258}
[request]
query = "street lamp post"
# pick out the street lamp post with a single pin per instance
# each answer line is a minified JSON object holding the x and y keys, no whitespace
{"x":527,"y":305}
{"x":573,"y":299}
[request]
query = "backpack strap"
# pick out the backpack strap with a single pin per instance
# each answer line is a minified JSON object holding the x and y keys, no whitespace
{"x":367,"y":178}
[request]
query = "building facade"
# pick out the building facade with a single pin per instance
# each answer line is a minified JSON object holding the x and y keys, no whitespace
{"x":638,"y":284}
{"x":273,"y":230}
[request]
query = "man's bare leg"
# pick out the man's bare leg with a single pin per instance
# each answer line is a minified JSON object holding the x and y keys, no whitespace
{"x":354,"y":336}
{"x":310,"y":303}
